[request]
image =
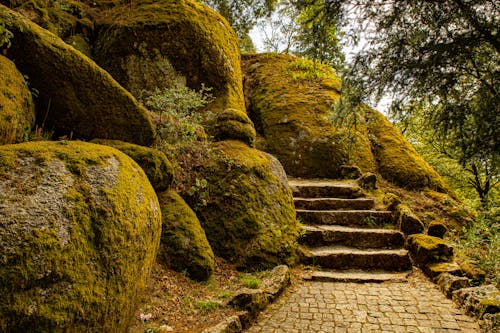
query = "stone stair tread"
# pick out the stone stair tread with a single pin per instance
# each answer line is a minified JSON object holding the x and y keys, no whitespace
{"x":333,"y":250}
{"x":341,"y":228}
{"x":333,"y":203}
{"x":357,"y":276}
{"x":321,"y":182}
{"x":361,"y":211}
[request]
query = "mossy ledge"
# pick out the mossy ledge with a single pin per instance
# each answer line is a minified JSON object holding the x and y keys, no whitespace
{"x":159,"y":44}
{"x":80,"y":229}
{"x":82,"y":100}
{"x":17,"y":111}
{"x":184,"y":245}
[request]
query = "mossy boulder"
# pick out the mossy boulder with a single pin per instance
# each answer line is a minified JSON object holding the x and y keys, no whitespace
{"x":154,"y":162}
{"x":17,"y":111}
{"x":184,"y":245}
{"x":80,"y":229}
{"x":245,"y":206}
{"x":159,"y":44}
{"x":426,"y":249}
{"x":82,"y":100}
{"x":396,"y":158}
{"x":289,"y":100}
{"x":409,"y":223}
{"x":437,"y":229}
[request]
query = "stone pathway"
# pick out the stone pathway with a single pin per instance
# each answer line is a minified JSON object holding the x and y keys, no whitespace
{"x":413,"y":306}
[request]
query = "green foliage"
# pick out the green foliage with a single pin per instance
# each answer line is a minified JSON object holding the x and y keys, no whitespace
{"x":318,"y":34}
{"x":200,"y":193}
{"x":176,"y":108}
{"x":242,"y":14}
{"x":250,"y":281}
{"x":480,"y":242}
{"x":442,"y":57}
{"x":5,"y":36}
{"x":207,"y":306}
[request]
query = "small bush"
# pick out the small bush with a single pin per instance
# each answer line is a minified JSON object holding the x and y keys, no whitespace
{"x":174,"y":112}
{"x":5,"y":36}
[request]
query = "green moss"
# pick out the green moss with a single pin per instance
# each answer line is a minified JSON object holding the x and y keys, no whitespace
{"x":82,"y":100}
{"x":409,"y":223}
{"x":427,"y":249}
{"x":78,"y":261}
{"x":247,"y":213}
{"x":289,"y":100}
{"x":155,"y":164}
{"x":17,"y":111}
{"x":397,"y":160}
{"x":157,"y":44}
{"x":184,"y":245}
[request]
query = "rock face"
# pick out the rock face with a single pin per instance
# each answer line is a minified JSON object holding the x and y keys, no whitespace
{"x":154,"y":163}
{"x":159,"y":44}
{"x":184,"y":245}
{"x":80,"y":228}
{"x":248,"y":213}
{"x":290,"y":99}
{"x":17,"y":111}
{"x":76,"y":97}
{"x":289,"y":110}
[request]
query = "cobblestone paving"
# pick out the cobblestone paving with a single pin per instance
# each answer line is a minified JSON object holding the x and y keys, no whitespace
{"x":413,"y":306}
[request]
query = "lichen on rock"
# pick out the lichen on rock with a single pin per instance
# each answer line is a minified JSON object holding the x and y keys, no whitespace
{"x":289,"y":108}
{"x":161,"y":44}
{"x":82,"y":100}
{"x":184,"y":245}
{"x":80,"y":228}
{"x":17,"y":111}
{"x":247,"y":209}
{"x":154,"y":162}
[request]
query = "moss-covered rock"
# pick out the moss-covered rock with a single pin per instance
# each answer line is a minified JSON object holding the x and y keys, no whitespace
{"x":159,"y":44}
{"x":368,"y":181}
{"x":391,"y":201}
{"x":17,"y":111}
{"x":80,"y":228}
{"x":409,"y":223}
{"x":289,"y":100}
{"x":396,"y":158}
{"x":82,"y":100}
{"x":184,"y":245}
{"x":154,"y":162}
{"x":245,"y":206}
{"x":437,"y":229}
{"x":426,"y":249}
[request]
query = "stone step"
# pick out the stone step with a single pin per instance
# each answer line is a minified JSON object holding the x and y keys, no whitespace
{"x":334,"y":203}
{"x":337,"y":257}
{"x":325,"y":189}
{"x":355,"y":218}
{"x":322,"y":235}
{"x":357,"y":276}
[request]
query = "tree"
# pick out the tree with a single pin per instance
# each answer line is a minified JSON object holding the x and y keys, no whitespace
{"x":442,"y":57}
{"x":242,"y":14}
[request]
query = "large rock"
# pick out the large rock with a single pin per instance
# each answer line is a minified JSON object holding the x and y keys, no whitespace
{"x":76,"y":97}
{"x":397,"y":160}
{"x":154,"y":162}
{"x":289,"y":101}
{"x":17,"y":111}
{"x":290,"y":112}
{"x":79,"y":229}
{"x":426,"y":249}
{"x":244,"y":204}
{"x":159,"y":44}
{"x":184,"y":245}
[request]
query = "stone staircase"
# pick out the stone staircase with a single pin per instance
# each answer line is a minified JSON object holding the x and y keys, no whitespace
{"x":345,"y":236}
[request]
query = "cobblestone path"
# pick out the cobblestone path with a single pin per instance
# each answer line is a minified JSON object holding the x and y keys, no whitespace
{"x":413,"y":306}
